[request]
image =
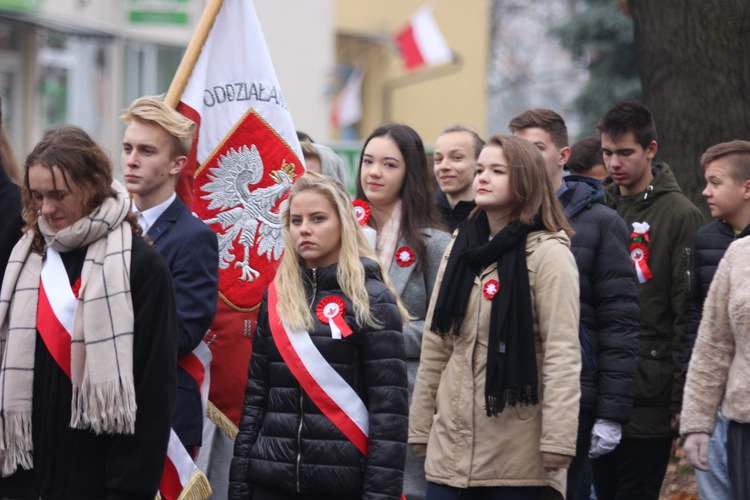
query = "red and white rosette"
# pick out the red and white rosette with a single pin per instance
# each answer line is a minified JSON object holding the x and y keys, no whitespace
{"x":331,"y":310}
{"x":405,"y":256}
{"x":639,"y":256}
{"x":362,"y":211}
{"x":490,"y":289}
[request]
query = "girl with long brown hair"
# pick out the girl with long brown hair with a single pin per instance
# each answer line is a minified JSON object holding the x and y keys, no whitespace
{"x":495,"y":407}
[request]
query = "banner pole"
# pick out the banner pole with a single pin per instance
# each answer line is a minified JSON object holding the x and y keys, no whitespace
{"x":191,"y":54}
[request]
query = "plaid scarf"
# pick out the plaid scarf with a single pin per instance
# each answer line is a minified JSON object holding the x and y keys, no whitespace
{"x":102,"y":337}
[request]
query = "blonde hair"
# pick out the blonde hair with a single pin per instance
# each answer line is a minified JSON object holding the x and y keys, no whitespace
{"x":153,"y":111}
{"x":292,"y":303}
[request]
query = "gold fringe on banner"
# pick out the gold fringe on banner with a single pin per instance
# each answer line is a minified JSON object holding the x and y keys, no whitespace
{"x":221,"y":421}
{"x":198,"y":488}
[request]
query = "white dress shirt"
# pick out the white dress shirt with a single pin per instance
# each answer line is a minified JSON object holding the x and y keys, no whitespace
{"x":146,"y":218}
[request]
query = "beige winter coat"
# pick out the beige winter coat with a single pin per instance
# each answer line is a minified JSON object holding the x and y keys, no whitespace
{"x":465,"y":447}
{"x":720,"y":366}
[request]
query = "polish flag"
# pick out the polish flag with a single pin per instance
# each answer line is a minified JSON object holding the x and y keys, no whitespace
{"x":347,"y":108}
{"x":421,"y":43}
{"x":244,"y":158}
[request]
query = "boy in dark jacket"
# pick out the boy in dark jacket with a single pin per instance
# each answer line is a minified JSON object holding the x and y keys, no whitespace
{"x":664,"y":223}
{"x":609,"y":321}
{"x":727,"y":172}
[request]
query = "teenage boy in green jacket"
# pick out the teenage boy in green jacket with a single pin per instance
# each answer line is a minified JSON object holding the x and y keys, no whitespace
{"x":663,"y":224}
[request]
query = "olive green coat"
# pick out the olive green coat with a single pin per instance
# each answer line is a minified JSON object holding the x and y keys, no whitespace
{"x":664,"y":299}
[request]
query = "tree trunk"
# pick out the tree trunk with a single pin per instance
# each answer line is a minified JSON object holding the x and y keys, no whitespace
{"x":694,"y":62}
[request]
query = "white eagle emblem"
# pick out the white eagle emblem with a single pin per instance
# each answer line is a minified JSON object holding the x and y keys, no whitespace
{"x":244,"y":211}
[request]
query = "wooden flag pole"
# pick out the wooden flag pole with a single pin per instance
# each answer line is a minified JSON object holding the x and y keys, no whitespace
{"x":191,"y":54}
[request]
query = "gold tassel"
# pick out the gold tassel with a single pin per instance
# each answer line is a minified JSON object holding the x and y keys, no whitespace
{"x":221,"y":421}
{"x":198,"y":488}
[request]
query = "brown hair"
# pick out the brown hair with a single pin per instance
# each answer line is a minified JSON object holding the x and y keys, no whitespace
{"x":545,"y":119}
{"x":530,"y":184}
{"x":738,"y":154}
{"x":308,"y":150}
{"x":82,"y":162}
{"x":629,"y":116}
{"x":585,"y":154}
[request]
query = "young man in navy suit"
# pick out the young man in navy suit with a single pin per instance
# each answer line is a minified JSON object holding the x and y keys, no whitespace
{"x":154,"y":151}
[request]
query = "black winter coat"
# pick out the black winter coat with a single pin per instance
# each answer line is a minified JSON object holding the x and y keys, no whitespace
{"x":610,"y":317}
{"x":77,"y":464}
{"x":711,"y":243}
{"x":11,"y":221}
{"x":287,"y":444}
{"x":452,"y":217}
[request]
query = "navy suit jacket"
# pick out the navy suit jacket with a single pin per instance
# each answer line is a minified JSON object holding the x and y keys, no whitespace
{"x":191,"y":251}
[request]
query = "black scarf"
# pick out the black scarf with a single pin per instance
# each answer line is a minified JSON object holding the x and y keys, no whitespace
{"x":511,"y":355}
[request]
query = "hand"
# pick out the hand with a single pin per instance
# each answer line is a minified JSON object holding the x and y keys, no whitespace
{"x":696,"y":450}
{"x":550,"y":470}
{"x":605,"y":436}
{"x":420,"y":450}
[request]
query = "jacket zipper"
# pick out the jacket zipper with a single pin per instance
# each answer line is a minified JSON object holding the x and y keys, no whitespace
{"x":301,"y":396}
{"x":689,"y":274}
{"x":299,"y":436}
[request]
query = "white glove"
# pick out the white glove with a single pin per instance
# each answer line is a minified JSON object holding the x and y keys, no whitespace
{"x":605,"y":436}
{"x":696,"y":450}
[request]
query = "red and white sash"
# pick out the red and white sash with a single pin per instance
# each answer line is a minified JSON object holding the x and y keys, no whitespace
{"x":55,"y":313}
{"x":56,"y":309}
{"x":328,"y":390}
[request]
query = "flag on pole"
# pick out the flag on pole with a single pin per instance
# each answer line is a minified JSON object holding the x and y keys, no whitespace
{"x":244,"y":159}
{"x":347,"y":107}
{"x":421,"y":43}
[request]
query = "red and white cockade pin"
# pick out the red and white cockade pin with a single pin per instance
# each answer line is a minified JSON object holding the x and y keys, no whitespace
{"x":331,"y":310}
{"x":362,"y":211}
{"x":404,"y":256}
{"x":639,"y":255}
{"x":490,"y":289}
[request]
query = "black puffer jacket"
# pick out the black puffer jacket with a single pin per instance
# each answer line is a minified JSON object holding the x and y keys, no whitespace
{"x":610,"y":317}
{"x":711,"y":243}
{"x":286,"y":444}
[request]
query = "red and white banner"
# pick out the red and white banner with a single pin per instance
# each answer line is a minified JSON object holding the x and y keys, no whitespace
{"x":244,"y":159}
{"x":181,"y":478}
{"x":347,"y":107}
{"x":421,"y":43}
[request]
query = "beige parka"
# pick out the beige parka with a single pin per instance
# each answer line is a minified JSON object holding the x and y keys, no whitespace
{"x":465,"y":447}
